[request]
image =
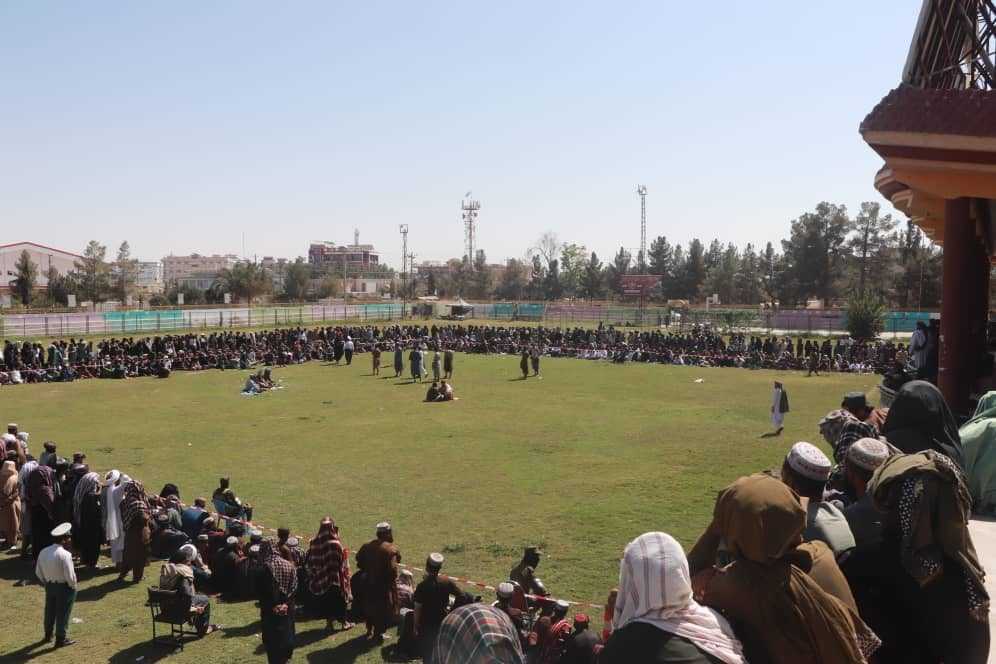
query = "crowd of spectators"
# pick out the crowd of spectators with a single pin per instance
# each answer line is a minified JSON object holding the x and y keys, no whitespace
{"x":865,"y":557}
{"x":127,"y":357}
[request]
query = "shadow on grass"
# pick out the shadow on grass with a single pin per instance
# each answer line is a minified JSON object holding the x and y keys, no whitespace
{"x":93,"y":593}
{"x":29,"y":651}
{"x":345,"y":652}
{"x":12,"y":568}
{"x":245,"y":630}
{"x":147,"y":651}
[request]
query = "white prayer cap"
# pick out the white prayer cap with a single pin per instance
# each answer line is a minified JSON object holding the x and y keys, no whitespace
{"x":231,"y":540}
{"x":189,"y":551}
{"x":23,"y":436}
{"x":867,"y":453}
{"x":62,"y":530}
{"x":12,"y":425}
{"x":434,"y":561}
{"x":254,"y":548}
{"x":505,"y":590}
{"x":293,"y":541}
{"x":9,"y":438}
{"x":383,"y":527}
{"x":111,"y":477}
{"x":809,"y":461}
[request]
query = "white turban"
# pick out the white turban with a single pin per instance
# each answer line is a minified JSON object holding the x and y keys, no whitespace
{"x":655,"y":587}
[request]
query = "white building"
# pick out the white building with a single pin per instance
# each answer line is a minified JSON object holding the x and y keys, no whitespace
{"x":150,"y":277}
{"x":42,"y":256}
{"x":369,"y":286}
{"x":196,"y":268}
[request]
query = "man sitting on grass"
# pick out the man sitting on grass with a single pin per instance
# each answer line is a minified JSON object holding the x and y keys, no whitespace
{"x":441,"y":391}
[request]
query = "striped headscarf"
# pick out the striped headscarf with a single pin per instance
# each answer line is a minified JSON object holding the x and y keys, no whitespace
{"x":134,"y":503}
{"x":328,"y":561}
{"x":284,"y":573}
{"x":480,"y":634}
{"x":655,"y":587}
{"x":89,"y":484}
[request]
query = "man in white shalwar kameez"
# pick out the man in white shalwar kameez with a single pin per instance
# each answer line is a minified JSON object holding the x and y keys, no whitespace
{"x":779,"y":406}
{"x":111,"y":501}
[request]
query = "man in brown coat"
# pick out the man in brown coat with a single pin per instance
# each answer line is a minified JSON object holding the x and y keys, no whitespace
{"x":378,"y":559}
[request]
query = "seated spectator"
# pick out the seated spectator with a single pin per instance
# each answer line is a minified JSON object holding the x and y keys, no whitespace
{"x":166,"y":539}
{"x":582,"y":644}
{"x":192,"y":518}
{"x":477,"y":633}
{"x":505,"y":603}
{"x":806,"y":469}
{"x":551,"y":637}
{"x":656,"y":618}
{"x":229,"y":505}
{"x":524,"y":573}
{"x":920,"y":420}
{"x":177,"y":575}
{"x":784,"y":615}
{"x":49,"y":456}
{"x":871,"y":575}
{"x":856,"y":403}
{"x":445,"y":391}
{"x":432,"y":394}
{"x":225,"y":566}
{"x":251,"y":386}
{"x":406,"y":590}
{"x":941,"y":598}
{"x":863,"y":458}
{"x":202,"y":573}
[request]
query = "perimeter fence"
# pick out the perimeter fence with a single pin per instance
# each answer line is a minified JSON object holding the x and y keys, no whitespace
{"x":748,"y":320}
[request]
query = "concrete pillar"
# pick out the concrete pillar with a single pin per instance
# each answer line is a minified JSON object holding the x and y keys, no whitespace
{"x":958,"y":304}
{"x":981,"y":321}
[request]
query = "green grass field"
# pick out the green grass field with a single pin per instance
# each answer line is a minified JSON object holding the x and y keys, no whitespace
{"x":579,"y":462}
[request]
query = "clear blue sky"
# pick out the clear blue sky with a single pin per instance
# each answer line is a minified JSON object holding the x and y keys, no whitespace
{"x":179,"y":126}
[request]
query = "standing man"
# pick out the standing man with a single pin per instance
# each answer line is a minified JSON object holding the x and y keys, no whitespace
{"x":524,"y":363}
{"x":918,"y":348}
{"x":436,"y":364}
{"x":813,"y":364}
{"x":348,"y":348}
{"x":534,"y":358}
{"x":432,"y":599}
{"x":399,"y":361}
{"x":779,"y":406}
{"x":416,"y":363}
{"x":448,"y":363}
{"x":375,"y":358}
{"x":41,"y":505}
{"x":379,"y":559}
{"x":55,"y":571}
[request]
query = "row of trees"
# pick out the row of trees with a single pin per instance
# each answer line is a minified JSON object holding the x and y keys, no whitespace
{"x":93,"y":277}
{"x":828,"y":255}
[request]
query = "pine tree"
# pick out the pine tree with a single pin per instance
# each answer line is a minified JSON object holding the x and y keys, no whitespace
{"x":592,"y":283}
{"x":26,"y":277}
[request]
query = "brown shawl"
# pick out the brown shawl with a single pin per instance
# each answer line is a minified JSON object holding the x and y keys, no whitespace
{"x":767,"y":590}
{"x":929,"y":505}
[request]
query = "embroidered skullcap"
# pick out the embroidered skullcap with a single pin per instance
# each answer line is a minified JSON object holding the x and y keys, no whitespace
{"x":867,"y":453}
{"x":809,"y":461}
